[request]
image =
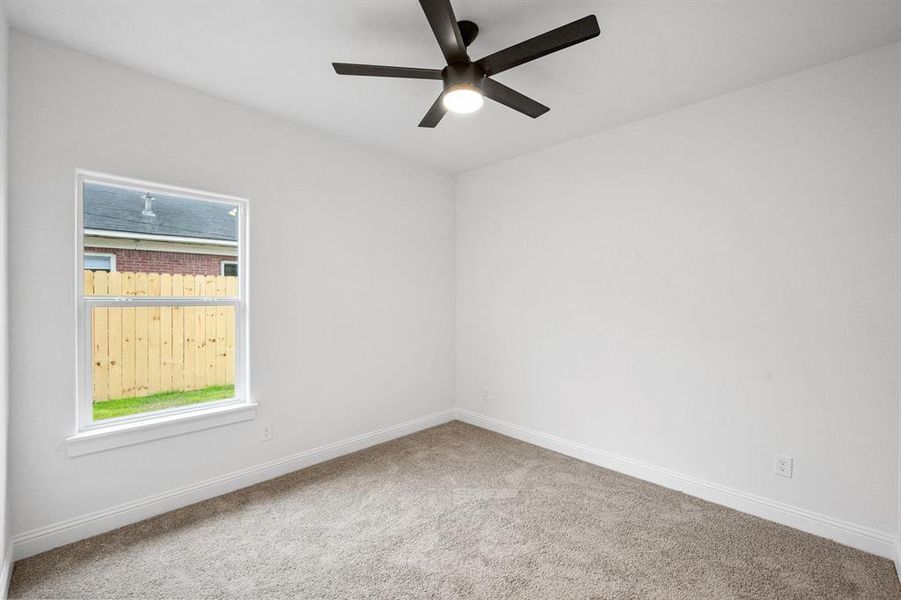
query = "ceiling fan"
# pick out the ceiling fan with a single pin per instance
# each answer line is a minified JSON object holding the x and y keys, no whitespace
{"x":465,"y":81}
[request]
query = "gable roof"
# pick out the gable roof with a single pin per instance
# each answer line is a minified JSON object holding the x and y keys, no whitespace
{"x":115,"y":209}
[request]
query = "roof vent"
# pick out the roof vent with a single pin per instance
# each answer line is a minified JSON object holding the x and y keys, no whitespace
{"x":148,"y":205}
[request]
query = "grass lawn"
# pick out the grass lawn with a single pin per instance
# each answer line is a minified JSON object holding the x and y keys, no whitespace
{"x":130,"y":406}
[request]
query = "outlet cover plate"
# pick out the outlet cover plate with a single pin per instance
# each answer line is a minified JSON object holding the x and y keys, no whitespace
{"x":783,"y":465}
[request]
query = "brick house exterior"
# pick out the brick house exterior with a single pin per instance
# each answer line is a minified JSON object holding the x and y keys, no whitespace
{"x":157,"y":233}
{"x":153,"y":261}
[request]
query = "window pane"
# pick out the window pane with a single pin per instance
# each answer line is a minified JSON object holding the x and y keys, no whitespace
{"x":164,"y":245}
{"x":98,"y":262}
{"x":146,"y":359}
{"x":144,"y":243}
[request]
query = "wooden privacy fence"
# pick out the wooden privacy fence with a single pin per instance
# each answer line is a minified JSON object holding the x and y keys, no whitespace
{"x":139,"y":351}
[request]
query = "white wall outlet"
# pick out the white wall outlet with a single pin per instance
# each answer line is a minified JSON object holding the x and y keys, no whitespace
{"x":783,"y":465}
{"x":266,"y":432}
{"x":485,"y":395}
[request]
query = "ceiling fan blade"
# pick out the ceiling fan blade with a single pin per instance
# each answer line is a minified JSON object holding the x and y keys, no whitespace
{"x":542,"y":45}
{"x":441,"y":17}
{"x":510,"y":97}
{"x":435,"y":113}
{"x":383,"y":71}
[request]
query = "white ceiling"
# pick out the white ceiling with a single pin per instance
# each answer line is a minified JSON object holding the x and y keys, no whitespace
{"x":651,"y":57}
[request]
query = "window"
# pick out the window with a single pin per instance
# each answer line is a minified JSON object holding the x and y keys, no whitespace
{"x":229,"y":268}
{"x":94,"y":261}
{"x":158,"y":340}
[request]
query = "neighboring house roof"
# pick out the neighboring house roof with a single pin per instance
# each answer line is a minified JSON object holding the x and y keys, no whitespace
{"x":113,"y":209}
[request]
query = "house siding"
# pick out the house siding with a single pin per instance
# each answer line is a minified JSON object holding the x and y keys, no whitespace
{"x":151,"y":261}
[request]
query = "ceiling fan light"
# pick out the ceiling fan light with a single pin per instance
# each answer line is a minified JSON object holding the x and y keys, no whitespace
{"x":463,"y":98}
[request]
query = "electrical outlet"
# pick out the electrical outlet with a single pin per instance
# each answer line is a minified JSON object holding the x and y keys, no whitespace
{"x":266,"y":432}
{"x":485,"y":396}
{"x":783,"y":465}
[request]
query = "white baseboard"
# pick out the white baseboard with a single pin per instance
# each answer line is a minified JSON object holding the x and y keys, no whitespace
{"x":850,"y":534}
{"x":51,"y":536}
{"x":6,"y":569}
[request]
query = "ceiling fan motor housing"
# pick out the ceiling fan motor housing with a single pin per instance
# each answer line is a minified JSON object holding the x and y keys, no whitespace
{"x":462,"y":74}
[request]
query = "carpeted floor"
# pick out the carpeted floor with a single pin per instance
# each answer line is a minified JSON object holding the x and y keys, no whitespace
{"x":456,"y":512}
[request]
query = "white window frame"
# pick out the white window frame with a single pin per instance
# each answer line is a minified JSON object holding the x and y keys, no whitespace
{"x":228,"y":262}
{"x":111,"y":257}
{"x":91,"y":436}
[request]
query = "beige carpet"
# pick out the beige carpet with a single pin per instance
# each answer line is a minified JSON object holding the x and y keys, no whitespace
{"x":456,"y":512}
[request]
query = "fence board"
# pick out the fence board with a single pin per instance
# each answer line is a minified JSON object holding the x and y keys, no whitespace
{"x":231,"y":290}
{"x":178,"y":336}
{"x":142,"y":364}
{"x":128,"y":353}
{"x":220,"y":333}
{"x":210,"y":314}
{"x":141,"y":284}
{"x":128,"y":340}
{"x":114,"y":316}
{"x":100,"y":344}
{"x":166,"y":336}
{"x":100,"y":340}
{"x":153,"y":352}
{"x":190,"y":335}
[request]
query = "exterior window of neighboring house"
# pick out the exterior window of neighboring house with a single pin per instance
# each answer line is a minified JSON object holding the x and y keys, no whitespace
{"x":94,"y":261}
{"x":229,"y":268}
{"x":163,"y":337}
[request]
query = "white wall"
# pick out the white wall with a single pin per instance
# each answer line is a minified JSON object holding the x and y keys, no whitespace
{"x":352,"y":268}
{"x":4,"y":356}
{"x":703,"y":289}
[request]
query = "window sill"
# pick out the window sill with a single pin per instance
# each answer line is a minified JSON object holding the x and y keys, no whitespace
{"x":137,"y":432}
